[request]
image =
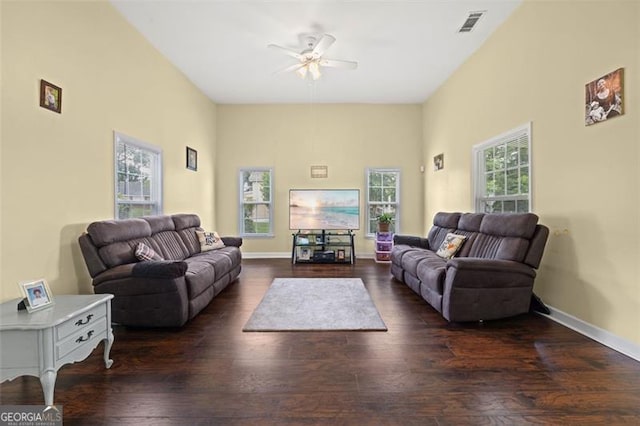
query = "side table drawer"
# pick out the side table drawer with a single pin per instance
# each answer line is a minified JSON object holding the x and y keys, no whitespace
{"x":76,"y":323}
{"x":82,"y":337}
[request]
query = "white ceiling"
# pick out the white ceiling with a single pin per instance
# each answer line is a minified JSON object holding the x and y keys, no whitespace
{"x":405,"y":49}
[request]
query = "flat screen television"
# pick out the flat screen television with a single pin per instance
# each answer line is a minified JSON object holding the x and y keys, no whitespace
{"x":324,"y":209}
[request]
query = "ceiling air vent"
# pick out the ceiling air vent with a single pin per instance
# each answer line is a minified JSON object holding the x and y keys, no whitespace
{"x":471,"y":21}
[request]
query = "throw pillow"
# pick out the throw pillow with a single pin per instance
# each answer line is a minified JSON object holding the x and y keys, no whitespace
{"x":209,"y":240}
{"x":450,"y":245}
{"x":144,"y":252}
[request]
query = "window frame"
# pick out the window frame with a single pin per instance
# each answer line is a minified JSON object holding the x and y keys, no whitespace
{"x":395,"y":225}
{"x":156,"y":173}
{"x":242,"y":203}
{"x":479,"y":170}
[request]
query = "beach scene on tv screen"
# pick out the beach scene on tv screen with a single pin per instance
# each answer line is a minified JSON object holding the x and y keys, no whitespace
{"x":324,"y":209}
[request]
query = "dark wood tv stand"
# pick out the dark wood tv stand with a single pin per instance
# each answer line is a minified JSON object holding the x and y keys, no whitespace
{"x":323,"y":246}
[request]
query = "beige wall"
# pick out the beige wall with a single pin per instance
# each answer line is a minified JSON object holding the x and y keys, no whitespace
{"x":57,"y":169}
{"x":291,"y":138}
{"x":586,"y":183}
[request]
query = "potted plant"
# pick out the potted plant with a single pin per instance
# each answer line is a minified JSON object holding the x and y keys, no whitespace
{"x":384,"y":220}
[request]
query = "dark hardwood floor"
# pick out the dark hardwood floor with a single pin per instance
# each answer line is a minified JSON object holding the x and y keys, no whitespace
{"x":422,"y":371}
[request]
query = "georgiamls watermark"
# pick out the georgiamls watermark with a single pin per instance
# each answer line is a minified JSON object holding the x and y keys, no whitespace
{"x":30,"y":415}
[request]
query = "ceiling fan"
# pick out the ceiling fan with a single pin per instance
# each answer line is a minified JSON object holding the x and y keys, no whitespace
{"x":310,"y":59}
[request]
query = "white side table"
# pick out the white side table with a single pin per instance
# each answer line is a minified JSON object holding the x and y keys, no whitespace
{"x":39,"y":343}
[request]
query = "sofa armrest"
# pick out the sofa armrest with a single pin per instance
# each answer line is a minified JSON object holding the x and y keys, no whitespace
{"x":123,"y":281}
{"x":232,"y":241}
{"x":470,"y":272}
{"x":411,"y":240}
{"x":116,"y":273}
{"x":159,"y":269}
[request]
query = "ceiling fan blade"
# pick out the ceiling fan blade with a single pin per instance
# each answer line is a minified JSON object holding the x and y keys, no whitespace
{"x":335,"y":63}
{"x":294,"y":67}
{"x":285,"y":50}
{"x":325,"y":42}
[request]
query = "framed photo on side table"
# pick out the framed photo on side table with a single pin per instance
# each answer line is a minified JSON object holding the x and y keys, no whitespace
{"x":37,"y":295}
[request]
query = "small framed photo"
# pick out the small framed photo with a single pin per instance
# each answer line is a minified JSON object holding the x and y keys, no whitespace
{"x":438,"y":162}
{"x":340,"y":254}
{"x":37,"y":295}
{"x":50,"y":96}
{"x":192,"y":159}
{"x":305,"y":253}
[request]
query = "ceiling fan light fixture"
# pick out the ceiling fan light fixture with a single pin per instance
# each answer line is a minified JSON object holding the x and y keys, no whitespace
{"x":314,"y":69}
{"x":311,"y":59}
{"x":302,"y":71}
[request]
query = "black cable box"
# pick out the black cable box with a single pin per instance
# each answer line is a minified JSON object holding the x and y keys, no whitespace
{"x":324,"y":256}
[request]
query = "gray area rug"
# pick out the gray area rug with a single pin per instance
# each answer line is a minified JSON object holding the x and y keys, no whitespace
{"x":316,"y":304}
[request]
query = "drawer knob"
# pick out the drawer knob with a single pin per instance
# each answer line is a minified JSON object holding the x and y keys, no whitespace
{"x":81,"y":322}
{"x":84,"y":339}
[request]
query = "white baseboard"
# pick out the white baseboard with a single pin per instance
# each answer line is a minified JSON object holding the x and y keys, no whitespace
{"x":604,"y":337}
{"x":267,"y":255}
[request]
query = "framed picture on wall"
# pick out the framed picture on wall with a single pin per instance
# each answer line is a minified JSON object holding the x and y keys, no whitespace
{"x":192,"y":159}
{"x":438,"y":162}
{"x":604,"y":97}
{"x":50,"y":96}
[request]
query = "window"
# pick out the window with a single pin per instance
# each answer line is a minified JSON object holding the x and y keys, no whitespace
{"x":383,"y":196}
{"x":502,"y":172}
{"x":138,"y":178}
{"x":255,"y":202}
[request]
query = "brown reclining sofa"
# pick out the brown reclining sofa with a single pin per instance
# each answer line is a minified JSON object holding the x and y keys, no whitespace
{"x":490,"y":277}
{"x":157,"y":293}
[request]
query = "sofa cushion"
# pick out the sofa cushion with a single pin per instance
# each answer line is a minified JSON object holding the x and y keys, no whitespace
{"x":200,"y":276}
{"x":470,"y":222}
{"x":399,"y":251}
{"x":144,"y":252}
{"x":111,"y":231}
{"x":521,"y":225}
{"x":431,"y":271}
{"x":412,"y":258}
{"x":184,"y":221}
{"x":123,"y":252}
{"x":221,"y":259}
{"x":160,"y":223}
{"x":503,"y":248}
{"x":451,"y":245}
{"x":446,"y":220}
{"x":171,"y":245}
{"x":443,"y":223}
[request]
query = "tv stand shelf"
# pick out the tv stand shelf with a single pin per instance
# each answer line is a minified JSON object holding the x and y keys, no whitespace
{"x":323,"y":246}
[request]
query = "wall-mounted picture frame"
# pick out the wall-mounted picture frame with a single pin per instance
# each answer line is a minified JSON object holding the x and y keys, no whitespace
{"x":37,"y":295}
{"x":50,"y":96}
{"x":604,"y":98}
{"x":438,"y":162}
{"x":319,"y":172}
{"x":192,"y":159}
